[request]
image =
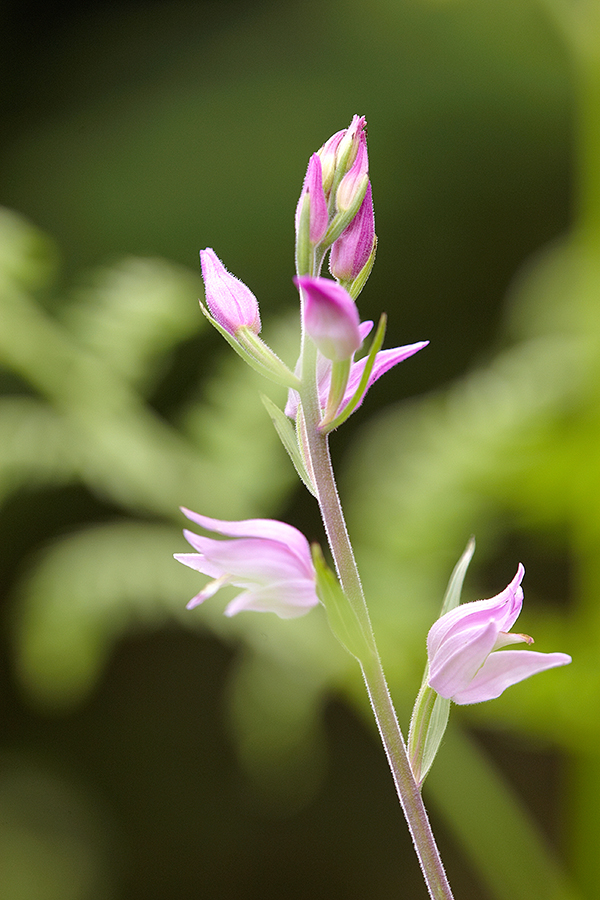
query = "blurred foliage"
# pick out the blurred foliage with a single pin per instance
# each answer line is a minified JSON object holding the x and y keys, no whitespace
{"x":154,"y":130}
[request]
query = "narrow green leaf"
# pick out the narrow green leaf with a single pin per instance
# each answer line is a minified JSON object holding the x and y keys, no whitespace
{"x":431,"y":712}
{"x":287,"y":435}
{"x":454,"y":589}
{"x":341,"y":616}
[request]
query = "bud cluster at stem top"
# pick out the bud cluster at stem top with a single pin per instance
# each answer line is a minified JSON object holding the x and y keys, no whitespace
{"x":335,"y":209}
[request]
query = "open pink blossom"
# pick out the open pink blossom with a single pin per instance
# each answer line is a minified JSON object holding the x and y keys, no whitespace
{"x":270,"y":560}
{"x":384,"y":361}
{"x":330,"y":317}
{"x":231,"y":303}
{"x":463,"y":663}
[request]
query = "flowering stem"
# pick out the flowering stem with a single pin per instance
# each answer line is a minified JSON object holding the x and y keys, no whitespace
{"x":372,"y":670}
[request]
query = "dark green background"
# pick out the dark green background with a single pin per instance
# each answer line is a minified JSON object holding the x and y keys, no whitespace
{"x":155,"y":129}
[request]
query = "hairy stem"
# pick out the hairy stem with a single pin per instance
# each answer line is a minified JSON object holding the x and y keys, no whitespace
{"x":372,"y":670}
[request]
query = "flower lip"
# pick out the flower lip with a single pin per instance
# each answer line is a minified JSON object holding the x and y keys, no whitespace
{"x":466,"y":663}
{"x":231,"y":303}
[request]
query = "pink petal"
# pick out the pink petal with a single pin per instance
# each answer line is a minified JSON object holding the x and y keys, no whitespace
{"x":288,"y":600}
{"x":199,"y":563}
{"x":313,"y":187}
{"x":351,"y":252}
{"x":330,"y":317}
{"x":353,"y":180}
{"x":384,"y":361}
{"x":249,"y":561}
{"x":270,"y":529}
{"x":505,"y":668}
{"x":456,"y":626}
{"x":456,"y":663}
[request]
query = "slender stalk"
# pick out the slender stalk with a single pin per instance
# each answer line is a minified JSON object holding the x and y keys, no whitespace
{"x":372,"y":670}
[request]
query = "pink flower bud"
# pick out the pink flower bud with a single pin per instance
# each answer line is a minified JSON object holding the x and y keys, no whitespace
{"x":327,"y":155}
{"x":341,"y":149}
{"x":353,"y":181}
{"x":351,"y":252}
{"x":231,"y":303}
{"x":313,"y":193}
{"x":330,"y":317}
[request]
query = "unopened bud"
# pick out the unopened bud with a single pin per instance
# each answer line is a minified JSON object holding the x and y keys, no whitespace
{"x":330,"y":317}
{"x":313,"y":195}
{"x":231,"y":303}
{"x":353,"y":249}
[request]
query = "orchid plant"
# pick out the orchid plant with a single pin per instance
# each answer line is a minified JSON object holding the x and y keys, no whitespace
{"x":272,"y":562}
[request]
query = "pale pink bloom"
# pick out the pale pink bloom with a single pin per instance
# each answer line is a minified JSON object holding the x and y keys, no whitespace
{"x":270,"y":560}
{"x":330,"y":317}
{"x":384,"y":361}
{"x":313,"y":193}
{"x":351,"y":252}
{"x":231,"y":304}
{"x":463,"y":663}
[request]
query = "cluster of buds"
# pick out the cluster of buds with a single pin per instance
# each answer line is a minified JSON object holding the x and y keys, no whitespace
{"x":335,"y":210}
{"x":335,"y":214}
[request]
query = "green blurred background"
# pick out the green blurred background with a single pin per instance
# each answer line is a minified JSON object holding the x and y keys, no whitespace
{"x":147,"y":752}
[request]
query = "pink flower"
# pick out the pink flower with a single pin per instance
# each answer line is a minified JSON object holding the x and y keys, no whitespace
{"x":313,"y":193}
{"x":461,"y":646}
{"x":270,"y":560}
{"x":351,"y":252}
{"x":384,"y":361}
{"x":330,"y":317}
{"x":231,"y":303}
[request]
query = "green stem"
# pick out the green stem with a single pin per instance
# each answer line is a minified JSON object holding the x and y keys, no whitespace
{"x":372,"y":670}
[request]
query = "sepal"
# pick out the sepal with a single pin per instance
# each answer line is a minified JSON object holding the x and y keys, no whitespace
{"x":256,"y":353}
{"x":359,"y":282}
{"x":343,"y":218}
